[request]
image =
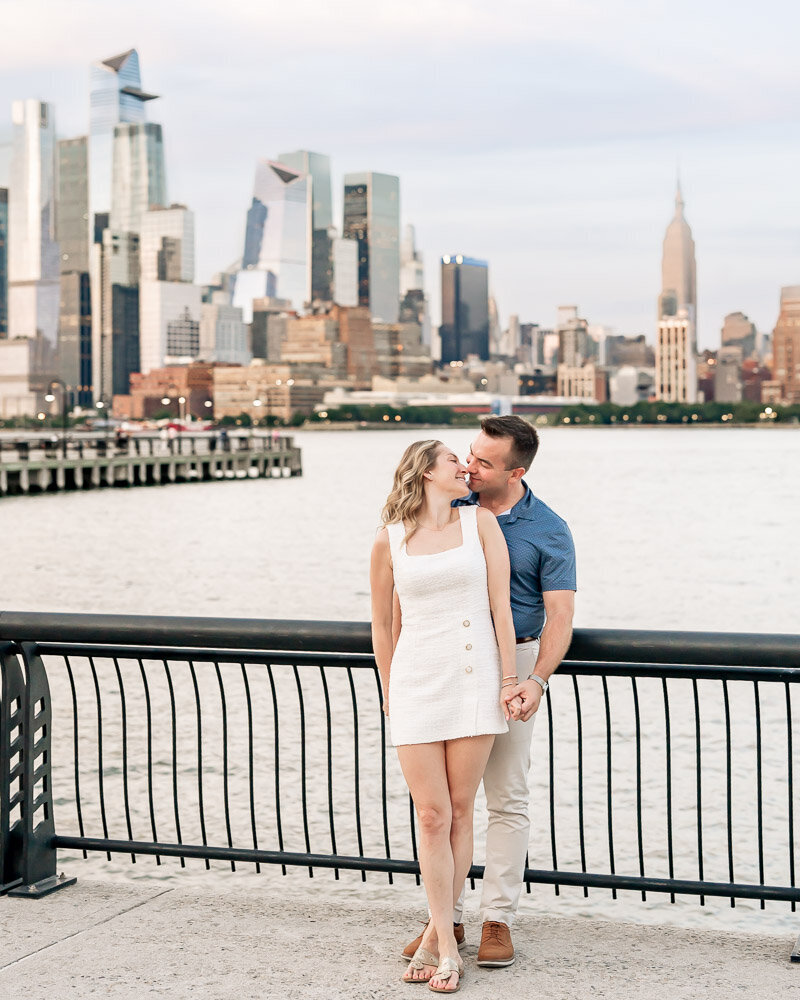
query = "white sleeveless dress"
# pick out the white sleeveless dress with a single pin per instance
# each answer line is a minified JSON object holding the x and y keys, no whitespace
{"x":445,"y":676}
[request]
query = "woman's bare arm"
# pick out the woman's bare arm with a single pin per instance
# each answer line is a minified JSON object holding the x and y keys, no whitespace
{"x":499,"y":577}
{"x":381,"y":580}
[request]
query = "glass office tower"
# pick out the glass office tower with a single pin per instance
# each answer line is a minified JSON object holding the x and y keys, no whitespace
{"x":75,"y":315}
{"x":115,"y":97}
{"x":277,"y":255}
{"x":465,"y":308}
{"x":33,"y":255}
{"x":372,"y":217}
{"x":318,"y":168}
{"x":3,"y":262}
{"x":139,"y":178}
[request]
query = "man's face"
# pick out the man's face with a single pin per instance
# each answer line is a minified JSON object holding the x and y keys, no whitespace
{"x":487,"y":464}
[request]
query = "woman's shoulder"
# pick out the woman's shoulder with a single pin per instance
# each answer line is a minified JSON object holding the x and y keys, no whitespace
{"x":484,"y":516}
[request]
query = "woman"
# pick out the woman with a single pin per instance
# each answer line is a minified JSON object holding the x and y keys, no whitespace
{"x":445,"y":681}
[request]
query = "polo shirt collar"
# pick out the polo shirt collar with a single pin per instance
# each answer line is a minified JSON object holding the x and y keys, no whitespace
{"x":523,"y":508}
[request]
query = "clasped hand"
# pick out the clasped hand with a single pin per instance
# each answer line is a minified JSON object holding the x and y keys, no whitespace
{"x":521,"y":701}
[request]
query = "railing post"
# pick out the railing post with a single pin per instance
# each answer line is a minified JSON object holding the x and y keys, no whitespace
{"x":36,"y":856}
{"x":12,"y":696}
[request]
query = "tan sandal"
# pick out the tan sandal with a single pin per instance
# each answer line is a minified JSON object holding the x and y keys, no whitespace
{"x":422,"y":957}
{"x":446,"y":968}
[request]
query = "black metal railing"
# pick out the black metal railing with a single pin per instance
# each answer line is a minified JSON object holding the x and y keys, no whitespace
{"x":664,"y":762}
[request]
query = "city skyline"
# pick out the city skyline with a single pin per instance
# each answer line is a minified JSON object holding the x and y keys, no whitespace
{"x":565,"y":188}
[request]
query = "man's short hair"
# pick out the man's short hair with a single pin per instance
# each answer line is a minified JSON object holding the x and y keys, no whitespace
{"x":524,"y":439}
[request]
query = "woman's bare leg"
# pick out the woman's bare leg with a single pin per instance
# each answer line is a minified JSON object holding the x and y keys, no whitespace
{"x":425,"y":772}
{"x":441,"y":776}
{"x":465,"y":761}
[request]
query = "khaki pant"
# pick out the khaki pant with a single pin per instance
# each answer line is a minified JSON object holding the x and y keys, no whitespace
{"x":505,"y":782}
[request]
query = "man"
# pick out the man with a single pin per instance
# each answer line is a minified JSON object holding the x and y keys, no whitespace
{"x":542,"y":602}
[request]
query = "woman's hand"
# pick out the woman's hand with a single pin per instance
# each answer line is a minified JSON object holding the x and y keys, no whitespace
{"x":386,"y":704}
{"x":510,"y":705}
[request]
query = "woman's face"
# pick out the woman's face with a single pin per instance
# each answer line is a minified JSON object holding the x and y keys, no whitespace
{"x":448,"y":474}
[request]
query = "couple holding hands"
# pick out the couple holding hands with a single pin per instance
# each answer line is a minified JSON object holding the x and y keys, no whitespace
{"x":472,"y":604}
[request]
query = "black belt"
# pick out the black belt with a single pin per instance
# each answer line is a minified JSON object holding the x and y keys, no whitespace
{"x":526,"y":638}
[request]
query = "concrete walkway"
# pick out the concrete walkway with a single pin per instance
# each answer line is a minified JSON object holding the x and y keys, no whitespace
{"x":104,"y":939}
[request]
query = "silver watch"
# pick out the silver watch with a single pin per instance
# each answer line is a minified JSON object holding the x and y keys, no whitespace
{"x":544,"y":685}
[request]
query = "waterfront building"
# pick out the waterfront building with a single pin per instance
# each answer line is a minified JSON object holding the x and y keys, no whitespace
{"x":400,"y":352}
{"x":170,"y":304}
{"x":317,"y":166}
{"x":115,"y":98}
{"x":277,"y":251}
{"x":115,"y":353}
{"x":357,"y":334}
{"x":621,"y":351}
{"x":586,"y":381}
{"x":676,"y":349}
{"x":17,"y":371}
{"x":786,"y":346}
{"x":676,"y":361}
{"x":727,"y":375}
{"x":738,"y":331}
{"x":268,"y":328}
{"x":75,"y":313}
{"x":139,"y":181}
{"x":345,"y":271}
{"x":3,"y":263}
{"x":312,"y":343}
{"x":33,"y":255}
{"x":465,"y":309}
{"x":372,"y":218}
{"x":75,"y":337}
{"x":192,"y":382}
{"x":630,"y":384}
{"x":264,"y":392}
{"x":576,"y":352}
{"x":223,"y":334}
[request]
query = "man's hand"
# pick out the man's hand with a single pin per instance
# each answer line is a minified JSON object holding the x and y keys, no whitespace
{"x":530,"y":695}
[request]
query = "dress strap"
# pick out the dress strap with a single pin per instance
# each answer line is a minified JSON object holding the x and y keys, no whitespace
{"x":397,"y":533}
{"x":469,"y":524}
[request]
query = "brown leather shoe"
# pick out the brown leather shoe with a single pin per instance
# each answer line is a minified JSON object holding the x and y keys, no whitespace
{"x":496,"y":948}
{"x":458,"y":930}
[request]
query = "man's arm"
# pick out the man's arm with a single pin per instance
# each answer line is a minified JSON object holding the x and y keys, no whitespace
{"x":559,"y":606}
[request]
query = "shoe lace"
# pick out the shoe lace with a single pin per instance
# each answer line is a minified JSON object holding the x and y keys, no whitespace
{"x":496,"y":930}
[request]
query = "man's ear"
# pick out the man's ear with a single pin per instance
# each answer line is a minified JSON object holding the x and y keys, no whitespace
{"x":516,"y":475}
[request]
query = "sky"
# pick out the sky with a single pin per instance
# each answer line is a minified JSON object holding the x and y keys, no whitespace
{"x":544,"y":136}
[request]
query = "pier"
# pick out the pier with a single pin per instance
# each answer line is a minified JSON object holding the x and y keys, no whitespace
{"x":39,"y":464}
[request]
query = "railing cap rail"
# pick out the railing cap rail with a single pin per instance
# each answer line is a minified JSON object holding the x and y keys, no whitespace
{"x":627,"y":645}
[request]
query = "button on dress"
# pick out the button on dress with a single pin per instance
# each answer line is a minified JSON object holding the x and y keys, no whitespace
{"x":444,"y":682}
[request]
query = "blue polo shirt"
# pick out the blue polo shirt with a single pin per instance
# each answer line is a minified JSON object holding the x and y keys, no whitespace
{"x":542,"y":557}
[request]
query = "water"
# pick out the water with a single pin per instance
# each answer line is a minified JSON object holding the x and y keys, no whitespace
{"x":674,"y":529}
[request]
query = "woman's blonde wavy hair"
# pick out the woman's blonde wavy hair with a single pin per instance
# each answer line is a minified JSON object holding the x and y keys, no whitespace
{"x":407,"y":494}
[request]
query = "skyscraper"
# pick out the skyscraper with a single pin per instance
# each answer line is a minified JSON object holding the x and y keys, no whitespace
{"x":676,"y":349}
{"x":170,"y":303}
{"x":318,"y":167}
{"x":372,"y":217}
{"x":139,"y":180}
{"x":115,"y":97}
{"x":33,"y":256}
{"x":465,"y":308}
{"x":3,"y":263}
{"x":75,"y":316}
{"x":786,"y":345}
{"x":277,"y":252}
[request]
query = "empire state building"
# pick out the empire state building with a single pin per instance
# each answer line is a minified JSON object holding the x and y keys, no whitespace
{"x":676,"y":351}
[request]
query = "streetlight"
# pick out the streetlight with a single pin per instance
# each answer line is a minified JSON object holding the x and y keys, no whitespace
{"x":257,"y":402}
{"x":50,"y":398}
